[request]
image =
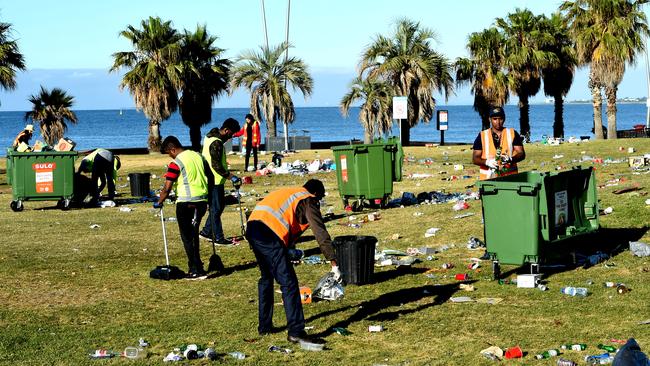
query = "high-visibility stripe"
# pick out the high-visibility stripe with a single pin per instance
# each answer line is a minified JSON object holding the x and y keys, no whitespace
{"x":275,"y":214}
{"x":186,"y":182}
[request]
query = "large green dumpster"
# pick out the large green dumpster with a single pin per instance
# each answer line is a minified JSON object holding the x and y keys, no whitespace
{"x":41,"y":176}
{"x":527,"y":212}
{"x":367,"y":171}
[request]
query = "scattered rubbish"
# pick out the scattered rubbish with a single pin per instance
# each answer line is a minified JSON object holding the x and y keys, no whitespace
{"x":273,"y":348}
{"x":547,"y":354}
{"x":574,"y":291}
{"x":473,"y":265}
{"x":431,"y":232}
{"x":644,"y":322}
{"x":460,"y":205}
{"x":132,"y":352}
{"x":622,"y":289}
{"x":305,"y":295}
{"x":126,"y":209}
{"x":528,"y":280}
{"x":489,"y":300}
{"x":565,"y":362}
{"x":172,"y":357}
{"x":447,"y":265}
{"x":143,"y":343}
{"x":627,"y":189}
{"x":608,"y":210}
{"x":94,"y":226}
{"x":601,"y":359}
{"x":417,"y":214}
{"x":104,"y":204}
{"x":493,"y":353}
{"x":514,"y":352}
{"x":607,"y":348}
{"x":342,"y":331}
{"x":461,"y":276}
{"x":313,"y":259}
{"x":311,"y":346}
{"x":235,"y":355}
{"x":102,"y":353}
{"x":542,"y":287}
{"x":640,"y":249}
{"x":475,"y":243}
{"x":462,"y":216}
{"x":558,"y":156}
{"x":328,"y":288}
{"x":461,"y":299}
{"x":574,"y":347}
{"x":376,"y":328}
{"x":395,"y":236}
{"x":467,"y":287}
{"x":647,"y":202}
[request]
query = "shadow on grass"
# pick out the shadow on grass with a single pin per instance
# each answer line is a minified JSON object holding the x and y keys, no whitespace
{"x":374,"y":310}
{"x":573,"y":253}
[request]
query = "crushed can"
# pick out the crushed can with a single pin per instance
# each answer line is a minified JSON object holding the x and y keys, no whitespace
{"x":305,"y":295}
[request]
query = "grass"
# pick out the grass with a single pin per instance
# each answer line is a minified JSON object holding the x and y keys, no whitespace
{"x":67,"y":289}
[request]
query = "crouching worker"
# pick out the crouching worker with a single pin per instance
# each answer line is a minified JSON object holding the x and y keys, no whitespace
{"x":102,"y":166}
{"x":186,"y":175}
{"x":273,"y":227}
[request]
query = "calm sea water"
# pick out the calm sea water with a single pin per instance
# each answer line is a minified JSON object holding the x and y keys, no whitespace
{"x":128,"y":128}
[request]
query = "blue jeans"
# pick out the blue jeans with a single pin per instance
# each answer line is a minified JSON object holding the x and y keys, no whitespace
{"x":212,"y":228}
{"x":271,"y":254}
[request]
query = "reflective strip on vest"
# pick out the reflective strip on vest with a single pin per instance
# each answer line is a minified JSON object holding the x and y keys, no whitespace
{"x":279,"y":216}
{"x":184,"y":191}
{"x":218,"y":179}
{"x":487,"y":153}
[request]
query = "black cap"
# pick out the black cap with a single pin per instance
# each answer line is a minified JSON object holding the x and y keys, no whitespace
{"x":497,"y":112}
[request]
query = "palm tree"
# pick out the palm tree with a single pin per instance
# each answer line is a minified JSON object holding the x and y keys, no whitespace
{"x":204,"y":79}
{"x":558,"y":78}
{"x":11,"y":60}
{"x":266,"y":75}
{"x":484,"y":72}
{"x":51,"y":110}
{"x":524,"y":57}
{"x":608,"y":35}
{"x":154,"y":73}
{"x":408,"y":62}
{"x":375,"y":113}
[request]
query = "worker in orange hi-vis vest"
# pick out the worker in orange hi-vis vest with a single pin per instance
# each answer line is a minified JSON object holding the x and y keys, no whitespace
{"x":497,"y":150}
{"x":273,"y":227}
{"x":250,"y":140}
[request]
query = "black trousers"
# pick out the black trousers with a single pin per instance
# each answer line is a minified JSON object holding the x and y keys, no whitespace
{"x":102,"y":176}
{"x":248,"y":154}
{"x":188,"y":216}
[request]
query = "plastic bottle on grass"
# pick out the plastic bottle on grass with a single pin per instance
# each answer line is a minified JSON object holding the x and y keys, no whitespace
{"x":237,"y":355}
{"x":607,"y":348}
{"x":602,"y":359}
{"x":548,"y":354}
{"x":574,"y":291}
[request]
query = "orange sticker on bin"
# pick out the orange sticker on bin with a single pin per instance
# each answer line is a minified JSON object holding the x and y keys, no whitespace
{"x":344,"y":168}
{"x":44,"y":177}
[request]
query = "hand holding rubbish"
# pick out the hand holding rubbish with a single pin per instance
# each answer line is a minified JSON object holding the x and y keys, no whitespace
{"x":492,"y":163}
{"x":506,"y":159}
{"x":157,"y":205}
{"x":336,"y":272}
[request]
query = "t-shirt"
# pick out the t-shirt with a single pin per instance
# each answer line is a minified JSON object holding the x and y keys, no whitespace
{"x":478,"y":145}
{"x":173,"y":172}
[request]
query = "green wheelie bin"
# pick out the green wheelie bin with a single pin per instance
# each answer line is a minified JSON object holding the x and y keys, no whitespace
{"x":525,"y":215}
{"x":41,"y":176}
{"x":367,"y":171}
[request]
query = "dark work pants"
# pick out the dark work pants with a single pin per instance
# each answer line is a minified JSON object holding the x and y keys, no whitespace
{"x":212,"y":227}
{"x":274,"y":263}
{"x":102,"y":172}
{"x":188,"y":216}
{"x":248,"y":154}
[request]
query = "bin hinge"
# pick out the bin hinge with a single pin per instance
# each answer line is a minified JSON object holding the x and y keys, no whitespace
{"x":487,"y":189}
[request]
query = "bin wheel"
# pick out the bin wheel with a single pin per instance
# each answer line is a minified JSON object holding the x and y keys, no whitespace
{"x":357,"y":205}
{"x":17,"y":206}
{"x":64,"y":204}
{"x":496,"y":270}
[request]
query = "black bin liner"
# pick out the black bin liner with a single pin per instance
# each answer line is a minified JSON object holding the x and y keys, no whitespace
{"x":355,"y":256}
{"x":139,"y":184}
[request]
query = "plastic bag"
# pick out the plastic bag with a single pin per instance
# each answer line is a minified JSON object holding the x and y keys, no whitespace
{"x":328,"y":288}
{"x":640,"y":249}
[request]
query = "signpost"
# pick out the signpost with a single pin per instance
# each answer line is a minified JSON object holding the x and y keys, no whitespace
{"x":400,"y":111}
{"x":442,"y":124}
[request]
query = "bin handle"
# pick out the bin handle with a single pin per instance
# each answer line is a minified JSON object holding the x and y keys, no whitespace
{"x":363,"y":149}
{"x":488,"y":189}
{"x":527,"y":190}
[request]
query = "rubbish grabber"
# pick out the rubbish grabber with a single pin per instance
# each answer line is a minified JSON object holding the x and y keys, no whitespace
{"x":166,"y":272}
{"x":215,"y":264}
{"x":241,"y":213}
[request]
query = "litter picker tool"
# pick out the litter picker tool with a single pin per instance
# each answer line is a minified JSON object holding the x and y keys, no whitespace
{"x":165,"y":272}
{"x":241,"y":212}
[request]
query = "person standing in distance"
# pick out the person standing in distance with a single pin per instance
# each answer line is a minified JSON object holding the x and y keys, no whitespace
{"x":497,"y":150}
{"x":273,"y":227}
{"x":187,"y":176}
{"x":250,"y":140}
{"x":215,"y":154}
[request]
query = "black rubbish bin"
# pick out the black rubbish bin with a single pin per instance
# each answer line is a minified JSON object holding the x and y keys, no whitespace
{"x":139,"y":184}
{"x":355,"y":256}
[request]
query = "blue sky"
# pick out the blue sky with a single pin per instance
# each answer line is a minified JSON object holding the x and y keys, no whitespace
{"x":68,"y":43}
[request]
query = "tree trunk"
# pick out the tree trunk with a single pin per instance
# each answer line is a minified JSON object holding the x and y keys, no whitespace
{"x":597,"y":101}
{"x":610,"y":93}
{"x":271,"y":130}
{"x":154,"y":141}
{"x":558,"y":123}
{"x":405,"y":133}
{"x":524,"y":122}
{"x":195,"y":137}
{"x":367,"y":137}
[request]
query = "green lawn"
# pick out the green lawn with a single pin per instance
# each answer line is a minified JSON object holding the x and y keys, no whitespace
{"x":67,"y":289}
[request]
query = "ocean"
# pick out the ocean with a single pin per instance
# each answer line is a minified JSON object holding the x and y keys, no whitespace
{"x":128,"y":128}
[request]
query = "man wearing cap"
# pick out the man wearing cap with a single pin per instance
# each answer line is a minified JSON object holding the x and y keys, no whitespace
{"x":23,"y":138}
{"x":103,"y":167}
{"x":250,"y":139}
{"x":274,"y":226}
{"x":497,"y":150}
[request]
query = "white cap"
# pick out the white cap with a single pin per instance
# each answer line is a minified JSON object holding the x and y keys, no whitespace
{"x":30,"y":128}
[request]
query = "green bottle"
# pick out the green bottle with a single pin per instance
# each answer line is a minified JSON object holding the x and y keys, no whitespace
{"x":548,"y":354}
{"x":575,"y":346}
{"x":607,"y":348}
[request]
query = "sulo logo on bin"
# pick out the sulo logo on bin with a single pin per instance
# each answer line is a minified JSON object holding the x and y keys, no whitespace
{"x":44,"y":177}
{"x":344,"y":168}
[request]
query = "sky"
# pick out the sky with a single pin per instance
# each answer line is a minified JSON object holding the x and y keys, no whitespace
{"x":69,"y":43}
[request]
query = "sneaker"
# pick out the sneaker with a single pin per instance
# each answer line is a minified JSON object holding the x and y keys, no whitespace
{"x":197,"y":275}
{"x":224,"y":242}
{"x":205,"y":237}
